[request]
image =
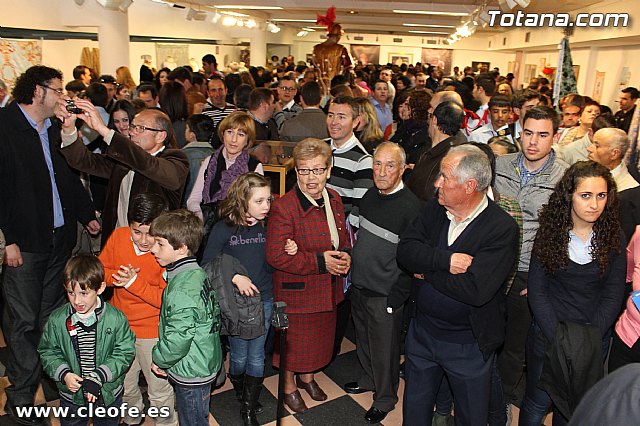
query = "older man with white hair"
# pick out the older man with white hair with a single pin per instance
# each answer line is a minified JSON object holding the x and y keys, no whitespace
{"x":463,"y":247}
{"x":608,"y":148}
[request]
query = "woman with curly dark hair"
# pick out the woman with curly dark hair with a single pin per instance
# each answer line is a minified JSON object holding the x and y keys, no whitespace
{"x":576,"y":277}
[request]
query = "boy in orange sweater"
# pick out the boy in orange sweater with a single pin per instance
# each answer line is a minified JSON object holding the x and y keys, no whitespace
{"x":137,"y":278}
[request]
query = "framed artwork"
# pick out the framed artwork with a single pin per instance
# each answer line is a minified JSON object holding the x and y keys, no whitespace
{"x":598,"y":85}
{"x":479,"y":67}
{"x":401,"y":58}
{"x":438,"y":58}
{"x":367,"y":54}
{"x":529,"y":73}
{"x":18,"y":56}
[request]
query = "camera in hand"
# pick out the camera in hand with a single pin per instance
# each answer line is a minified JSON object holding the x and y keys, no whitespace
{"x":72,"y":108}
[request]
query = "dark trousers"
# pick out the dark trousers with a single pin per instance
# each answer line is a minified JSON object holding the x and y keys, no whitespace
{"x":536,"y":401}
{"x":31,"y":292}
{"x":427,"y":360}
{"x":73,"y":418}
{"x":192,"y":403}
{"x":621,"y":354}
{"x":511,"y":359}
{"x":377,"y":347}
{"x":497,"y":404}
{"x":342,"y":320}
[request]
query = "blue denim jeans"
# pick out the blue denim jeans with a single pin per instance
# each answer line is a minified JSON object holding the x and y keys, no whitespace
{"x":73,"y":418}
{"x":247,"y":356}
{"x":193,"y":404}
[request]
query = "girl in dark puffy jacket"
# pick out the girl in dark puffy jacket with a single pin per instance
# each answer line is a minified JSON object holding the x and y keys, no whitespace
{"x":241,"y":233}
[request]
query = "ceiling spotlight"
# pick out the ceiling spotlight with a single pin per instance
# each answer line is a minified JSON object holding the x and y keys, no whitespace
{"x":463,"y":31}
{"x":250,"y":23}
{"x":196,"y":15}
{"x":506,"y":5}
{"x":125,"y":5}
{"x":484,"y":18}
{"x":216,"y":17}
{"x":229,"y":21}
{"x":523,"y":3}
{"x":302,"y":33}
{"x":273,"y":28}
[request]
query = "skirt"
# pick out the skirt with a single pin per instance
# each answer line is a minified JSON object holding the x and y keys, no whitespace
{"x":309,"y":342}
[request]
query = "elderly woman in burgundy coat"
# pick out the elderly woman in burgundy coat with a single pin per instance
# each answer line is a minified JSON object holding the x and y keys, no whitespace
{"x":310,"y":282}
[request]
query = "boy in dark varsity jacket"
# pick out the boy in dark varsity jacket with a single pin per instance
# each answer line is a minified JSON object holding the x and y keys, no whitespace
{"x":87,"y":346}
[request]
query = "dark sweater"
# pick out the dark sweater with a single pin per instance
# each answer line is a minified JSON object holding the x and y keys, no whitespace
{"x":577,"y":293}
{"x":248,"y":245}
{"x":492,"y":240}
{"x":382,"y":219}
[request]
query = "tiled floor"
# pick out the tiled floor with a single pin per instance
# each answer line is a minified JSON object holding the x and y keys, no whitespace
{"x":340,"y":408}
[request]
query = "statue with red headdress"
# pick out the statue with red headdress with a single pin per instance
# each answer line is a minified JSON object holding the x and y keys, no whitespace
{"x":329,"y":57}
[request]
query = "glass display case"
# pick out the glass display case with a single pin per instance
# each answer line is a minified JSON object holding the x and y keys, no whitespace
{"x":277,"y":161}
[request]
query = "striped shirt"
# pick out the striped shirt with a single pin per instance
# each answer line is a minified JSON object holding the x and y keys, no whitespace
{"x":217,"y":114}
{"x":351,"y":176}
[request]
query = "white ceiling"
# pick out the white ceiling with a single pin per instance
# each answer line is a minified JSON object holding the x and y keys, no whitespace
{"x":377,"y":16}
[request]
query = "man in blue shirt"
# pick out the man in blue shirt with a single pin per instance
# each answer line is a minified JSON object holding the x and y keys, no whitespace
{"x":42,"y":199}
{"x":379,"y":101}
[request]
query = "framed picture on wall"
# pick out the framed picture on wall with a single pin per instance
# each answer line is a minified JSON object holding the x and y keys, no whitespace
{"x":478,"y":67}
{"x":529,"y":73}
{"x":438,"y":58}
{"x":401,"y":58}
{"x":367,"y":54}
{"x":598,"y":85}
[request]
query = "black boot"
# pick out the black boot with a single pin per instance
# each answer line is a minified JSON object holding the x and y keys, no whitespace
{"x":238,"y":385}
{"x":250,"y":395}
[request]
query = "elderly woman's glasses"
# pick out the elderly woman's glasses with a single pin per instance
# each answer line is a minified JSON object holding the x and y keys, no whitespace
{"x":305,"y":172}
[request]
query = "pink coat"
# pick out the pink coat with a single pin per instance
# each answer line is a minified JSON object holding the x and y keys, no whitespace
{"x":628,"y":326}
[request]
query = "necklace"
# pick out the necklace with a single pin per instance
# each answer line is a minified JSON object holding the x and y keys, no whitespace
{"x":582,"y":234}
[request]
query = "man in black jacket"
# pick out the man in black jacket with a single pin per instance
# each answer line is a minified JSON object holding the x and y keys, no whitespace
{"x":464,"y":247}
{"x":41,"y":201}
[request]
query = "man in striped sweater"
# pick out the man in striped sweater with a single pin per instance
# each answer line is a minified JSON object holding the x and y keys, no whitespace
{"x":351,"y":175}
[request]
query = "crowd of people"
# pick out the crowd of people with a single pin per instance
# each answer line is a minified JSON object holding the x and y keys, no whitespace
{"x":458,"y":220}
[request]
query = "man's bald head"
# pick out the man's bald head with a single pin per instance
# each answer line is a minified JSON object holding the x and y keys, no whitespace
{"x":608,"y":147}
{"x":445,"y":96}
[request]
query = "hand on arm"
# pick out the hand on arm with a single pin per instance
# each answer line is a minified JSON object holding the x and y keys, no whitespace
{"x":459,"y":263}
{"x":290,"y":247}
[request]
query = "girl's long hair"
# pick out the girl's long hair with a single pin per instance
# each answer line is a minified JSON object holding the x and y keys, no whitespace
{"x":551,"y":245}
{"x":233,"y":209}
